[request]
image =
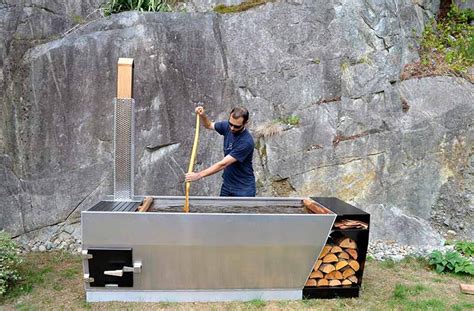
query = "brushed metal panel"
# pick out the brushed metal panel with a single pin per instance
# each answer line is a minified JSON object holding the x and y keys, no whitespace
{"x":192,"y":296}
{"x":213,"y":251}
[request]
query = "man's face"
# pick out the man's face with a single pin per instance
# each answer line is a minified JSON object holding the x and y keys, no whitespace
{"x":236,"y":125}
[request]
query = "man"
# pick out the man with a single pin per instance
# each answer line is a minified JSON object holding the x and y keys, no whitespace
{"x":239,"y":180}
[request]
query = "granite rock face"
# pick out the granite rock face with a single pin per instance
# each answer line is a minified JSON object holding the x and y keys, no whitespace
{"x":402,"y":150}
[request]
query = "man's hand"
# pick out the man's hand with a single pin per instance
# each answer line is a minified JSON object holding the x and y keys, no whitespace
{"x":199,"y":110}
{"x":193,"y":176}
{"x":205,"y":120}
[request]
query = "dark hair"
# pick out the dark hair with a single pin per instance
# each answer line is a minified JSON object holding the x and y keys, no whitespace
{"x":240,"y":112}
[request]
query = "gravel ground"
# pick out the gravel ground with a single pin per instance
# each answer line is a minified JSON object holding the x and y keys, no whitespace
{"x":390,"y":250}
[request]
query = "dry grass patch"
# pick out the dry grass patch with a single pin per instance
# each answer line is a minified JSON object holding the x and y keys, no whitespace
{"x":267,"y":129}
{"x":244,"y":6}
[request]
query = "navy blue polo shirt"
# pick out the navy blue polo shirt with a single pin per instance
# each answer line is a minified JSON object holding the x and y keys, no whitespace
{"x":238,"y":177}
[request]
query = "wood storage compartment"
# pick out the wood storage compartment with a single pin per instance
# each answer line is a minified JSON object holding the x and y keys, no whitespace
{"x":339,"y":268}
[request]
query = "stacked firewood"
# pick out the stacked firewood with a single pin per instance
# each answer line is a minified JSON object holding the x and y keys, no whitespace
{"x":336,"y":265}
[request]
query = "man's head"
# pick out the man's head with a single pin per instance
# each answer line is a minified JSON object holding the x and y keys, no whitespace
{"x":237,"y":119}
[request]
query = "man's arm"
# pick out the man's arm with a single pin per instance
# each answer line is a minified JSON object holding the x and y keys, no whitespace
{"x":205,"y":120}
{"x":217,"y":167}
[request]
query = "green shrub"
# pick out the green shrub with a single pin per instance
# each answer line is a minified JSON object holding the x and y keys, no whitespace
{"x":452,"y":37}
{"x":446,"y":46}
{"x":292,"y":120}
{"x":465,"y":247}
{"x":451,"y":262}
{"x":9,"y":262}
{"x":117,"y":6}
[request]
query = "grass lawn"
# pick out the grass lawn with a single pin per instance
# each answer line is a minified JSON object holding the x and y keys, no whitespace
{"x":54,"y":281}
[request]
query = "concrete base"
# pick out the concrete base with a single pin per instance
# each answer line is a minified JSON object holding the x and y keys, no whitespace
{"x":192,"y":296}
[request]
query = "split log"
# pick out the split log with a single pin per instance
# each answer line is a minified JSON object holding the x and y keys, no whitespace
{"x":325,"y":251}
{"x":346,"y":282}
{"x":352,"y":252}
{"x":147,"y":202}
{"x":341,"y":264}
{"x":327,"y":267}
{"x":347,"y":243}
{"x":350,"y":224}
{"x":466,"y":288}
{"x":323,"y":282}
{"x":334,"y":275}
{"x":330,"y":258}
{"x":317,"y":265}
{"x":336,"y":249}
{"x":334,"y":283}
{"x":315,"y":208}
{"x":353,"y":279}
{"x":316,"y":275}
{"x":348,"y":272}
{"x":311,"y":282}
{"x":354,"y":265}
{"x":343,"y":255}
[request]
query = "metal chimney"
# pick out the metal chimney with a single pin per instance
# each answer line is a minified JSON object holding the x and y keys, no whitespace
{"x":124,"y":132}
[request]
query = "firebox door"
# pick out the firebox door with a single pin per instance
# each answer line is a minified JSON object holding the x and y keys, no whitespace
{"x":111,"y":267}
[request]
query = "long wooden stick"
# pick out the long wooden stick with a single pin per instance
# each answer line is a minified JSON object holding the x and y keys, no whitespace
{"x":191,"y":164}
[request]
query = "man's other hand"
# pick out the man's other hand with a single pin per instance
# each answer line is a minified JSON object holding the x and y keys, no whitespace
{"x":199,"y":110}
{"x":193,"y":176}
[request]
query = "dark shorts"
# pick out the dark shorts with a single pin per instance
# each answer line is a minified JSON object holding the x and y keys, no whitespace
{"x":225,"y":192}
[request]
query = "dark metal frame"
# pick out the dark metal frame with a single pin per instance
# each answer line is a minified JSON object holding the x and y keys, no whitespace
{"x":360,"y":236}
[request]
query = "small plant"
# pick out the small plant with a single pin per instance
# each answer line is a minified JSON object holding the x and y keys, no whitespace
{"x":292,"y":120}
{"x":9,"y":262}
{"x":365,"y":60}
{"x":256,"y":303}
{"x":388,"y":264}
{"x":167,"y":304}
{"x":308,"y":302}
{"x":345,"y":66}
{"x":451,"y":262}
{"x":69,"y":273}
{"x":77,"y":19}
{"x":117,"y":6}
{"x":465,"y":247}
{"x":403,"y":291}
{"x":462,"y":306}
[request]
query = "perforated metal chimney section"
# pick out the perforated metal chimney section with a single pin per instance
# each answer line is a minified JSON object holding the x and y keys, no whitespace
{"x":124,"y":148}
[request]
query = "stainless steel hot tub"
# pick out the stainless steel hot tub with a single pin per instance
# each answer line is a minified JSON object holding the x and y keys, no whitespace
{"x":225,"y":249}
